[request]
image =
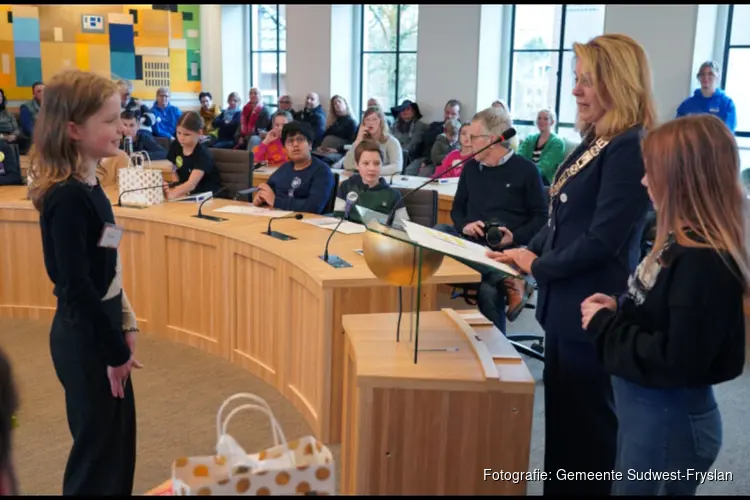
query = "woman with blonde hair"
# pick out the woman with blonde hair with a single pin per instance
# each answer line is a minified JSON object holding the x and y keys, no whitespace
{"x":374,"y":126}
{"x":591,"y":244}
{"x":680,"y":328}
{"x":546,"y":148}
{"x":341,"y":127}
{"x":92,"y":338}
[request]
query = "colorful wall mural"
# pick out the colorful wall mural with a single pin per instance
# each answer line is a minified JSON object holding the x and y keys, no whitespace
{"x":150,"y":45}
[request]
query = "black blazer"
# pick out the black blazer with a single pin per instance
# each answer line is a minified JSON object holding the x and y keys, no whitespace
{"x":592,"y":240}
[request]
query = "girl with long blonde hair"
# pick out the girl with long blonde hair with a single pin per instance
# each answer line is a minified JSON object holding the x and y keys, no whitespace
{"x":680,"y":327}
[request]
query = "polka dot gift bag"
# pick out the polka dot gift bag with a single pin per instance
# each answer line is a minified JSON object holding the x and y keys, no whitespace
{"x":303,"y":466}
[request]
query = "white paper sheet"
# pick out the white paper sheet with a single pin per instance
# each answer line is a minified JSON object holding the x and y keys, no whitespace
{"x":330,"y":223}
{"x":252,"y":210}
{"x":454,"y":246}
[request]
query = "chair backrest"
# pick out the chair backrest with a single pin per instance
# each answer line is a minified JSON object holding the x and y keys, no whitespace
{"x":332,"y":200}
{"x":422,"y":206}
{"x":163,"y":142}
{"x":235,"y":170}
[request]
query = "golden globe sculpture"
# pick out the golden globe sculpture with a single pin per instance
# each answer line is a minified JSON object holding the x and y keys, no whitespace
{"x":394,"y":260}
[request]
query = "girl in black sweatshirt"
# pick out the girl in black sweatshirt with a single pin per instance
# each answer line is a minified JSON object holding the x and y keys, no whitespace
{"x":92,"y":339}
{"x":680,"y":327}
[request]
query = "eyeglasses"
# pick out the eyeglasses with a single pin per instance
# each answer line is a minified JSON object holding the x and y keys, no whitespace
{"x":296,"y":140}
{"x":475,"y":138}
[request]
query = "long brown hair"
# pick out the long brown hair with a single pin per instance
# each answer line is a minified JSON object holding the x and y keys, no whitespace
{"x":71,"y":96}
{"x":384,"y":132}
{"x":619,"y":70}
{"x":693,"y":165}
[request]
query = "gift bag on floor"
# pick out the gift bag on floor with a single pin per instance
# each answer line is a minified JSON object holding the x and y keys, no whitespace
{"x":303,"y":466}
{"x":139,"y":184}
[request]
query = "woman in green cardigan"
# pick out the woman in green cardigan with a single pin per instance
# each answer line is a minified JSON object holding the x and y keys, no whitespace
{"x":546,"y":148}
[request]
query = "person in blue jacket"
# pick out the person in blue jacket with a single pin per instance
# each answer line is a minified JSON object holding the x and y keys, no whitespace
{"x":590,"y":243}
{"x":165,"y":115}
{"x":709,"y":98}
{"x":304,"y":183}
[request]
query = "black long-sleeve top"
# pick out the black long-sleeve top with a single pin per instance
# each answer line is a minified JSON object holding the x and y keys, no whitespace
{"x":687,"y":330}
{"x":72,"y":221}
{"x":510,"y":193}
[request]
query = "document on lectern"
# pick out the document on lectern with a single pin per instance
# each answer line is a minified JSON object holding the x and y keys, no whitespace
{"x":454,"y":246}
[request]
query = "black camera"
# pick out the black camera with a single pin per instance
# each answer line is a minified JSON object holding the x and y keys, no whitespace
{"x":492,"y":233}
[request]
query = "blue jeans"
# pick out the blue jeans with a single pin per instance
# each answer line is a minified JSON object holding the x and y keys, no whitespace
{"x":672,"y":431}
{"x":491,"y":298}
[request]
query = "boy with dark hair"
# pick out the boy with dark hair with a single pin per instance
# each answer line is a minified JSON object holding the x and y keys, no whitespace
{"x":142,"y":141}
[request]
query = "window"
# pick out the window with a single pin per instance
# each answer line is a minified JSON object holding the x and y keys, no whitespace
{"x":389,"y":54}
{"x":541,"y":73}
{"x":268,"y":51}
{"x":736,"y":72}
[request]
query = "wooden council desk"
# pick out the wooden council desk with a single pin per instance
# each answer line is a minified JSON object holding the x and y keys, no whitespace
{"x":273,"y":307}
{"x":446,"y":191}
{"x":435,"y":427}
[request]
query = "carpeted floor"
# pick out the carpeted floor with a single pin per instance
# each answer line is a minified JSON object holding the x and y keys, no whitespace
{"x":180,"y":389}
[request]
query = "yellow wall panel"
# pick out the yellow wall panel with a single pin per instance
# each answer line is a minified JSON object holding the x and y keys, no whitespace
{"x":28,"y":11}
{"x":7,"y":63}
{"x":153,"y":22}
{"x":175,"y":25}
{"x":6,"y":28}
{"x":93,"y":39}
{"x":82,"y":57}
{"x":185,"y":86}
{"x":99,"y":60}
{"x":57,"y":57}
{"x":152,"y":40}
{"x":177,"y":66}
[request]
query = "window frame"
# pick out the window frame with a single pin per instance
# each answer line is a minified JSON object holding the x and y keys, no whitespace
{"x":398,"y":52}
{"x":727,"y":53}
{"x":278,"y":52}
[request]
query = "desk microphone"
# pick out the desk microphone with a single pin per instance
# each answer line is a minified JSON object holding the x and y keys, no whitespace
{"x":278,"y":235}
{"x":333,"y":260}
{"x":244,"y":192}
{"x":200,"y":214}
{"x":160,"y":186}
{"x":509,"y":134}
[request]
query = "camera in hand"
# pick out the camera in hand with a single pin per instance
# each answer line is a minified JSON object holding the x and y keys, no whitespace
{"x":492,"y":233}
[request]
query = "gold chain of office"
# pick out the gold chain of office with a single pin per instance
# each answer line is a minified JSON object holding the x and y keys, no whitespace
{"x":579,"y":165}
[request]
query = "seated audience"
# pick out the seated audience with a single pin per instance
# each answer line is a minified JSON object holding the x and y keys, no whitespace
{"x":373,"y":191}
{"x":452,"y":111}
{"x":271,"y":151}
{"x":255,"y":122}
{"x":8,"y":409}
{"x":304,"y":184}
{"x":374,"y":102}
{"x":314,"y":115}
{"x":501,"y":105}
{"x":195,"y":164}
{"x":374,"y":127}
{"x":285,"y":104}
{"x":141,"y":141}
{"x":30,"y":110}
{"x":408,"y":128}
{"x":10,"y":170}
{"x":165,"y":115}
{"x":546,"y":148}
{"x":444,"y":144}
{"x":457,"y":155}
{"x":497,"y":187}
{"x":127,"y":101}
{"x":679,"y":329}
{"x":9,"y":129}
{"x":709,"y":98}
{"x":341,"y":127}
{"x":209,"y":112}
{"x":227,"y":124}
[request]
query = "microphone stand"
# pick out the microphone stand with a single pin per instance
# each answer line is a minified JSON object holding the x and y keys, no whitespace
{"x":278,"y":235}
{"x":213,"y":218}
{"x":334,"y":260}
{"x":509,"y":134}
{"x":119,"y":198}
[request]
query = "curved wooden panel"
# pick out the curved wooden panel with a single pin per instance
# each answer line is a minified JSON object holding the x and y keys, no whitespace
{"x":274,"y":307}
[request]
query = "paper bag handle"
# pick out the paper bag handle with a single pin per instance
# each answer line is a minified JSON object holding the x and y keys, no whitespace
{"x":233,"y":450}
{"x":278,"y":433}
{"x":239,"y":395}
{"x":143,"y":156}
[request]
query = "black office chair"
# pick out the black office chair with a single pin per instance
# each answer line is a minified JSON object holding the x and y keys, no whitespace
{"x":235,"y":168}
{"x":328,"y":209}
{"x":422,"y":206}
{"x":164,"y":142}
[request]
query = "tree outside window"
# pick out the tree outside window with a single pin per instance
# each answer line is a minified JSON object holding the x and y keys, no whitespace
{"x":736,"y":73}
{"x":268,"y":51}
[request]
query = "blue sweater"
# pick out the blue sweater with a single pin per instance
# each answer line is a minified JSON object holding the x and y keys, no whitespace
{"x":166,"y":120}
{"x":314,"y":189}
{"x":719,"y":105}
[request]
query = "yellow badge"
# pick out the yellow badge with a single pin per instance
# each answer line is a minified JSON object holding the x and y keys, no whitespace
{"x":2,"y":156}
{"x":178,"y":161}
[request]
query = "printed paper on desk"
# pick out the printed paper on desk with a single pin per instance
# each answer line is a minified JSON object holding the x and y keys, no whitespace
{"x":339,"y":205}
{"x":454,"y":246}
{"x":476,"y":319}
{"x":323,"y":221}
{"x":258,"y":211}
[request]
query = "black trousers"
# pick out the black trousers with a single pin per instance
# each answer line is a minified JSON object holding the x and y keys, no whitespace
{"x":102,"y":460}
{"x":580,"y":421}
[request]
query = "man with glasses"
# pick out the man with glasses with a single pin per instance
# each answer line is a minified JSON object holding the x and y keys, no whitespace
{"x":165,"y":115}
{"x":499,"y":203}
{"x":285,"y":104}
{"x":709,"y":98}
{"x":304,"y":183}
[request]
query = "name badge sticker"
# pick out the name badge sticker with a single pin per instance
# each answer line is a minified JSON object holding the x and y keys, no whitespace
{"x":111,"y":236}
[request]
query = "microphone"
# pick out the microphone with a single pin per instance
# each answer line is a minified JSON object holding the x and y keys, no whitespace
{"x":333,"y":260}
{"x":244,"y":192}
{"x":200,"y":214}
{"x":160,"y":186}
{"x":278,"y":235}
{"x":509,"y":134}
{"x":128,"y":145}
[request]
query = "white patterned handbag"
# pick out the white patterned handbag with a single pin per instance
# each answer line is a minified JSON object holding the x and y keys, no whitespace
{"x":139,"y":184}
